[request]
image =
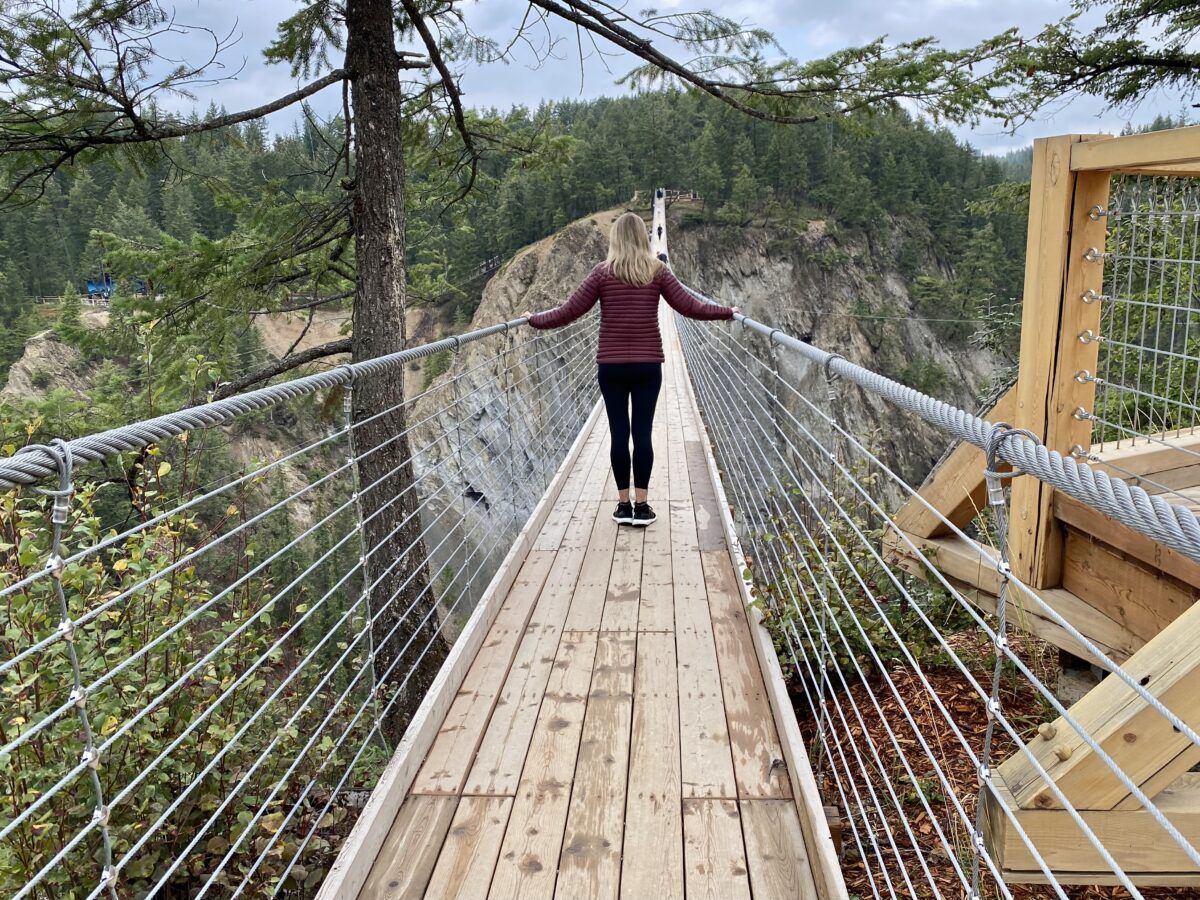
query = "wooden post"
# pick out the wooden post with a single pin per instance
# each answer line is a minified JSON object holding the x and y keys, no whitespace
{"x":1062,"y":263}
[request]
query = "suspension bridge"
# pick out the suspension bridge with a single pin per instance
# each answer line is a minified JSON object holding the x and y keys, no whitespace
{"x":406,"y":653}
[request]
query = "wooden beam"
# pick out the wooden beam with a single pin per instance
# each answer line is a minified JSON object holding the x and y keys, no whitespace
{"x":955,"y":488}
{"x":1139,"y":597}
{"x":1091,"y":521}
{"x":1138,"y":738}
{"x":1155,"y":149}
{"x":1165,"y":453}
{"x":1136,"y":841}
{"x":1058,"y":270}
{"x":361,"y":847}
{"x":963,"y":564}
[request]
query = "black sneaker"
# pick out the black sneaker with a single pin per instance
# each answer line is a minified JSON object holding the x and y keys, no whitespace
{"x":623,"y":514}
{"x":643,"y":515}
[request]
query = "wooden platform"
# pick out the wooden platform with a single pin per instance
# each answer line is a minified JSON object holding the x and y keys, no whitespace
{"x":613,"y":736}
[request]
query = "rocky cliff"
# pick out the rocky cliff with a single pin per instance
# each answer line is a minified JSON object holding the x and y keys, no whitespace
{"x":846,"y":295}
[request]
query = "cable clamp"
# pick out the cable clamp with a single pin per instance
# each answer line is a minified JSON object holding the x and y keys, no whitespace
{"x":1001,"y":432}
{"x":831,"y":375}
{"x":993,"y":708}
{"x":56,"y":565}
{"x":351,"y":373}
{"x":457,"y":343}
{"x":67,"y":629}
{"x":771,"y":336}
{"x":108,"y":876}
{"x":1002,"y":640}
{"x":78,"y":697}
{"x":100,"y":815}
{"x":91,"y":758}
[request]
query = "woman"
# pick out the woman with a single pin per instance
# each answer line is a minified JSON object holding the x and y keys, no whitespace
{"x":630,"y":356}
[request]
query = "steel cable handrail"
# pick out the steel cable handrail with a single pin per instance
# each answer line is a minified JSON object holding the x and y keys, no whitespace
{"x":1175,"y":526}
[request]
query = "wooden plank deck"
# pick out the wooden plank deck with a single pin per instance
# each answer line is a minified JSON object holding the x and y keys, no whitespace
{"x":613,"y":736}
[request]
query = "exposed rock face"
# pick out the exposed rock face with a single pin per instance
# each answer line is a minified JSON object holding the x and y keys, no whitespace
{"x":47,"y":364}
{"x":846,"y":297}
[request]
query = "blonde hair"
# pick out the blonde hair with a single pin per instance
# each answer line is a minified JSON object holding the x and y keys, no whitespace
{"x":629,"y":257}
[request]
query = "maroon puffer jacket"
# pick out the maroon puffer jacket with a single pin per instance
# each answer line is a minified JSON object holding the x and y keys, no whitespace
{"x":628,"y":313}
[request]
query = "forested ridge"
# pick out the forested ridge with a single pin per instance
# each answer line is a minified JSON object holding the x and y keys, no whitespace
{"x":186,"y":216}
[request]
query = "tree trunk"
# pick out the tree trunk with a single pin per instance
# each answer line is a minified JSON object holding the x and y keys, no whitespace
{"x":405,"y":633}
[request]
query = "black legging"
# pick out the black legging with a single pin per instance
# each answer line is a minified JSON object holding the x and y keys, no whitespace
{"x":621,"y":384}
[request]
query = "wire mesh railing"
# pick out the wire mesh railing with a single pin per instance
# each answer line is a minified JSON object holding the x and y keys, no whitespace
{"x":208,"y":655}
{"x":913,"y":686}
{"x":1148,"y":375}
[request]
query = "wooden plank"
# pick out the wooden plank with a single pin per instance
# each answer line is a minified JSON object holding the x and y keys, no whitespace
{"x":825,"y":865}
{"x":497,"y":766}
{"x":1166,"y":452}
{"x":757,"y":755}
{"x":707,"y":763}
{"x":623,"y":596}
{"x":775,"y":854}
{"x":714,"y":855}
{"x":406,"y":859}
{"x":458,"y":737}
{"x":1157,"y":148}
{"x":358,"y":852}
{"x":590,"y":865}
{"x":653,"y":854}
{"x":528,"y":862}
{"x":587,"y":602}
{"x":964,"y":565}
{"x":551,"y":535}
{"x":1136,"y":737}
{"x":1057,"y":273}
{"x":956,"y":488}
{"x":657,"y":602}
{"x":1092,"y":521}
{"x":1136,"y":595}
{"x":709,"y":533}
{"x":468,"y":857}
{"x":1137,"y":842}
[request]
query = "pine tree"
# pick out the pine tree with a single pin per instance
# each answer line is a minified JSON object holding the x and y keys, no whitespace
{"x":70,"y":315}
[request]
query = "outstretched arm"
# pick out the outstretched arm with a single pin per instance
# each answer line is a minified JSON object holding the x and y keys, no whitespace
{"x":685,"y":303}
{"x":581,"y":301}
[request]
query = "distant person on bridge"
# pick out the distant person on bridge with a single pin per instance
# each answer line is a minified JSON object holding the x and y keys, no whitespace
{"x":630,"y":356}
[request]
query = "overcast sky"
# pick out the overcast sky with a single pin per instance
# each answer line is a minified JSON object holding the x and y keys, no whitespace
{"x":805,"y":29}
